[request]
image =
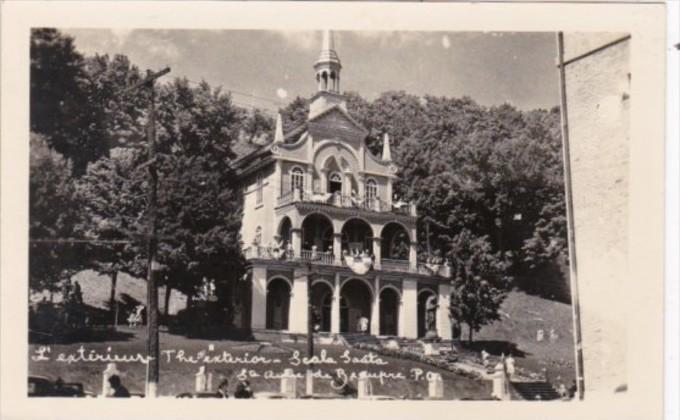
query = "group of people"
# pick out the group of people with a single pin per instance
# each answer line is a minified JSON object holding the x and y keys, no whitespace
{"x":243,"y":389}
{"x":357,"y":253}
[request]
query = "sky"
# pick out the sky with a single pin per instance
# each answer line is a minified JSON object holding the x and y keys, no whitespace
{"x":268,"y":69}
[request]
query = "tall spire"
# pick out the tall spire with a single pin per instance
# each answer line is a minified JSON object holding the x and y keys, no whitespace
{"x":278,"y":133}
{"x":328,"y":65}
{"x":386,"y":153}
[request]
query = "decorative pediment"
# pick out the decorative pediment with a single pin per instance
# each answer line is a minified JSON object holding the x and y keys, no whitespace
{"x":336,"y":122}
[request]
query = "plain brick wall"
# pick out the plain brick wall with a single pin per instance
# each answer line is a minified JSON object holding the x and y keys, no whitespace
{"x":598,"y":105}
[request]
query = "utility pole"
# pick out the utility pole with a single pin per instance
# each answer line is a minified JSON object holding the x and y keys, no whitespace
{"x":310,"y":329}
{"x":153,"y":348}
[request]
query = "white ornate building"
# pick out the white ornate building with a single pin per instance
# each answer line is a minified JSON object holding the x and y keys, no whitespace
{"x":317,"y":198}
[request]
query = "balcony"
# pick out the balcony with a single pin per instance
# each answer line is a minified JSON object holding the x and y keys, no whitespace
{"x":345,"y":201}
{"x":327,"y":258}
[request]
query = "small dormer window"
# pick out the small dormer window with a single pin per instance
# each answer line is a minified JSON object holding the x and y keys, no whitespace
{"x":371,"y":190}
{"x":335,"y":183}
{"x":297,"y":179}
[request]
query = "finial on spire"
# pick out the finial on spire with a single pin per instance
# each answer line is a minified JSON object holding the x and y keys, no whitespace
{"x":278,"y":133}
{"x":328,"y":43}
{"x":386,"y":153}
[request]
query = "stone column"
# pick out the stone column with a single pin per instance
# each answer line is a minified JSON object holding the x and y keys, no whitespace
{"x":296,"y":239}
{"x":347,"y":183}
{"x":335,"y":306}
{"x":388,"y":193}
{"x":337,"y":248}
{"x":309,"y":180}
{"x":298,"y":303}
{"x":401,"y":319}
{"x":409,"y":308}
{"x":413,"y":256}
{"x":375,"y":310}
{"x":275,"y":184}
{"x":323,"y":179}
{"x":362,"y":186}
{"x":258,"y":305}
{"x":377,"y":241}
{"x":443,"y":320}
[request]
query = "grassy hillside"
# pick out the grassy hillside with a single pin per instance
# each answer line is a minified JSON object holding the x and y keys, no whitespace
{"x":97,"y":288}
{"x":522,"y":315}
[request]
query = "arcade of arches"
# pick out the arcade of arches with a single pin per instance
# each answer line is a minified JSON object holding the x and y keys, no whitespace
{"x":356,"y":236}
{"x":355,"y":302}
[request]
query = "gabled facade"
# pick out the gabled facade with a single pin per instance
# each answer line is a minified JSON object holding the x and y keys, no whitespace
{"x":317,"y":198}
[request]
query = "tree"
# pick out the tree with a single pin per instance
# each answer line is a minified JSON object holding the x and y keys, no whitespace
{"x":198,"y":208}
{"x":53,"y":215}
{"x":295,"y":113}
{"x":479,"y":281}
{"x":113,"y":196}
{"x":60,"y":108}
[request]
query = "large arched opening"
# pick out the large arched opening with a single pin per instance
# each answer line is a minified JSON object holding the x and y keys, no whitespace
{"x":423,"y":296}
{"x":284,"y":229}
{"x":317,"y":231}
{"x":395,"y":242}
{"x":389,"y":312}
{"x":278,"y":304}
{"x":322,"y":298}
{"x":357,"y":237}
{"x":355,"y":304}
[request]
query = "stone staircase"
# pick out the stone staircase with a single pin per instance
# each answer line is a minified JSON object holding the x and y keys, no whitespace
{"x":543,"y":391}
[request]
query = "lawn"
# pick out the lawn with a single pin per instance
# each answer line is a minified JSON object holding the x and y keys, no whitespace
{"x":522,"y":315}
{"x":178,"y":375}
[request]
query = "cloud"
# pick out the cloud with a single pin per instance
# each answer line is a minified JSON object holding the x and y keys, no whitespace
{"x":446,"y":42}
{"x":282,"y":93}
{"x":120,"y":35}
{"x":155,"y":44}
{"x":302,"y":40}
{"x":393,"y":38}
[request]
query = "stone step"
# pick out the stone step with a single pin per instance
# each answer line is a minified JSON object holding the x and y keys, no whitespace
{"x":536,"y":390}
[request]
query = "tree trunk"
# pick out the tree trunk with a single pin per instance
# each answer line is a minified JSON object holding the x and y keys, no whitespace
{"x":112,"y":295}
{"x":470,"y":334}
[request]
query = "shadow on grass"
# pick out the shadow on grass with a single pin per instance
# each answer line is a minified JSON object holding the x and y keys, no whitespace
{"x":495,"y":347}
{"x":92,"y":335}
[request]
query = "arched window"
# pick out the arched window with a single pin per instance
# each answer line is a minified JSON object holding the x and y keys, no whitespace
{"x":371,"y":190}
{"x":260,"y":187}
{"x":335,"y":183}
{"x":297,"y":179}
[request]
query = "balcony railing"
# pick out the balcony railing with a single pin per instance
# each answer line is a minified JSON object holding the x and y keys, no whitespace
{"x":338,"y":200}
{"x":327,"y":258}
{"x":395,"y":265}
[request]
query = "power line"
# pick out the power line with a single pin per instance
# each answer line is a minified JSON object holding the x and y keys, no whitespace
{"x":244,"y":94}
{"x":79,"y":241}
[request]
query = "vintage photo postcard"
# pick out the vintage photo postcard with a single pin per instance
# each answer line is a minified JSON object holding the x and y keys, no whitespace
{"x":384,"y":210}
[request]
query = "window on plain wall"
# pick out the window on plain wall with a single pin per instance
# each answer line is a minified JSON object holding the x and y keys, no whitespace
{"x":371,"y":190}
{"x":258,"y":235}
{"x":297,"y":179}
{"x":260,"y":189}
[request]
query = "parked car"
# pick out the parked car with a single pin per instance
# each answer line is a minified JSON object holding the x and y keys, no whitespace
{"x":42,"y":386}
